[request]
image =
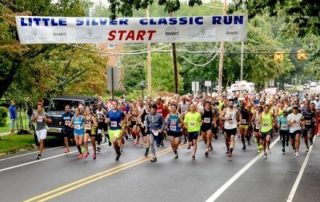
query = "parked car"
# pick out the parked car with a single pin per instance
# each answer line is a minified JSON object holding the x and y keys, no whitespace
{"x":55,"y":109}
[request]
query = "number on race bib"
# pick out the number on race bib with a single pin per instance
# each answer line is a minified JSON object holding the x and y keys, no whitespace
{"x":173,"y":128}
{"x":40,"y":119}
{"x":308,"y":122}
{"x":67,"y":123}
{"x":87,"y":126}
{"x":77,"y":126}
{"x":243,"y":121}
{"x":206,"y":120}
{"x":113,"y":124}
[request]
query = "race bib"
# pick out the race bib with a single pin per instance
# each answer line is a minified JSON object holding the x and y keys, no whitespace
{"x":155,"y":132}
{"x":308,"y":122}
{"x":243,"y":121}
{"x":77,"y":126}
{"x":284,"y":127}
{"x":40,"y":119}
{"x":113,"y":124}
{"x":257,"y":126}
{"x":206,"y":120}
{"x":173,"y":128}
{"x":230,"y":122}
{"x":67,"y":123}
{"x":134,"y":119}
{"x":87,"y":126}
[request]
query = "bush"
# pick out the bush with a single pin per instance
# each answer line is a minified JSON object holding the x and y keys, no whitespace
{"x":3,"y":116}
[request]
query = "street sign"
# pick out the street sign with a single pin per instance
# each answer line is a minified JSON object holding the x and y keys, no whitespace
{"x":195,"y":86}
{"x":207,"y":83}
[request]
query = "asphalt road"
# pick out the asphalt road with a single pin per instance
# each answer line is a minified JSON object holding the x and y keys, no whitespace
{"x":248,"y":177}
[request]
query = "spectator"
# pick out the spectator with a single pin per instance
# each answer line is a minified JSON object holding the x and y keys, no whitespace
{"x":13,"y":115}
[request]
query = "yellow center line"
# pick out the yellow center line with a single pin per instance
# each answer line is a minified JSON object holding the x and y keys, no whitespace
{"x":71,"y":186}
{"x":96,"y":179}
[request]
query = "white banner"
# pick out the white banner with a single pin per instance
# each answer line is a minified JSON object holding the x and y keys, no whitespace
{"x":48,"y":30}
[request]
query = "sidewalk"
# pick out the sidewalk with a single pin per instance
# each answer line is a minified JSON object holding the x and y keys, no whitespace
{"x":5,"y":133}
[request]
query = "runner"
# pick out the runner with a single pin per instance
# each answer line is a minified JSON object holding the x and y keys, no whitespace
{"x":294,"y":122}
{"x":267,"y":122}
{"x":192,"y":120}
{"x":90,"y":126}
{"x":230,"y":115}
{"x":208,"y":122}
{"x":40,"y":118}
{"x":284,"y":130}
{"x":256,"y":120}
{"x":102,"y":126}
{"x":154,"y":127}
{"x":77,"y":123}
{"x":174,"y":128}
{"x":66,"y":127}
{"x":309,"y":117}
{"x":116,"y":120}
{"x":244,"y":124}
{"x":133,"y":119}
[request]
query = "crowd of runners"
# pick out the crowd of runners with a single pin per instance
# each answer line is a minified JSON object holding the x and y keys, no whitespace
{"x":251,"y":118}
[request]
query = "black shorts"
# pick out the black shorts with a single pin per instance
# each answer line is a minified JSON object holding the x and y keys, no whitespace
{"x":174,"y":134}
{"x":307,"y":131}
{"x":215,"y":130}
{"x":293,"y":135}
{"x":265,"y":134}
{"x":230,"y":132}
{"x":206,"y":127}
{"x":284,"y":133}
{"x":103,"y":125}
{"x":90,"y":133}
{"x":67,"y":132}
{"x":192,"y":136}
{"x":256,"y":130}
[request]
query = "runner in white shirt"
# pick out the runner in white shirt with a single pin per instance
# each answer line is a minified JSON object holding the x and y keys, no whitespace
{"x":294,"y":122}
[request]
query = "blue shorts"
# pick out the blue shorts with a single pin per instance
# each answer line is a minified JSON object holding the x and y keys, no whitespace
{"x":12,"y":123}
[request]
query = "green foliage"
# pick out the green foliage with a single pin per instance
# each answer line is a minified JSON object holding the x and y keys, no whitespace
{"x":3,"y":116}
{"x":126,"y":8}
{"x":41,"y":71}
{"x":303,"y":14}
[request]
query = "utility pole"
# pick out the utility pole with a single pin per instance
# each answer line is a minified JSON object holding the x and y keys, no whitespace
{"x":149,"y":69}
{"x":241,"y":70}
{"x":221,"y":55}
{"x":175,"y":65}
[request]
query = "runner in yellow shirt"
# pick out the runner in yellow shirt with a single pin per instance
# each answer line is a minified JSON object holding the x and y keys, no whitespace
{"x":192,"y":121}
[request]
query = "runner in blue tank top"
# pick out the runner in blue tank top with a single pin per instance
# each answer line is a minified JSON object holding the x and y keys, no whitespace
{"x":174,"y":128}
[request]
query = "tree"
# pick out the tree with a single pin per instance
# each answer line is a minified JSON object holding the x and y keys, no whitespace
{"x":304,"y":14}
{"x":126,"y":8}
{"x":57,"y":68}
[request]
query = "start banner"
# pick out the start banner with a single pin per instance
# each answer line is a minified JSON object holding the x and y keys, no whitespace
{"x":49,"y":30}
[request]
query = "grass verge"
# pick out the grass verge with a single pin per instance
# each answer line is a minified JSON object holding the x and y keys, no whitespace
{"x":13,"y":143}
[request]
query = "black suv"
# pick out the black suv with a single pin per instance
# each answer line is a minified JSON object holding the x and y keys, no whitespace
{"x":56,"y":109}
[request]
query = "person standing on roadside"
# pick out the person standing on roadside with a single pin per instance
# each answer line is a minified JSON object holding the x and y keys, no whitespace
{"x":13,"y":116}
{"x":41,"y":119}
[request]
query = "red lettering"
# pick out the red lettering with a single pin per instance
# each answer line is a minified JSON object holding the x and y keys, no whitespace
{"x":121,"y":32}
{"x":130,"y":35}
{"x":151,"y":32}
{"x":112,"y":35}
{"x":140,"y":35}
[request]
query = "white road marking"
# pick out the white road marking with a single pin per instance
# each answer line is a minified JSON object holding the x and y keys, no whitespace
{"x":29,"y":153}
{"x":226,"y":185}
{"x":299,"y":177}
{"x":38,"y":161}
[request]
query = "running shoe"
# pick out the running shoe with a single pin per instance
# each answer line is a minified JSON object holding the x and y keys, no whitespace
{"x":206,"y":154}
{"x":153,"y":160}
{"x":193,"y":158}
{"x":283,"y":151}
{"x":297,"y":154}
{"x":39,"y":157}
{"x":86,"y":155}
{"x":265,"y":156}
{"x":80,"y":156}
{"x":98,"y":149}
{"x":94,"y":157}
